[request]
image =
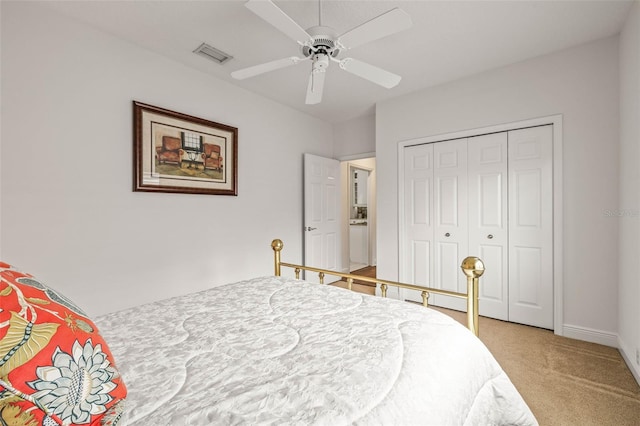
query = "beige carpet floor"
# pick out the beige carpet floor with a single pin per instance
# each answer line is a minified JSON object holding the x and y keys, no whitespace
{"x":564,"y":381}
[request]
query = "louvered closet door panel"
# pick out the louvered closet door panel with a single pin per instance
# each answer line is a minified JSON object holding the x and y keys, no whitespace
{"x":451,"y":237}
{"x":417,"y":240}
{"x":531,"y":226}
{"x":488,"y":229}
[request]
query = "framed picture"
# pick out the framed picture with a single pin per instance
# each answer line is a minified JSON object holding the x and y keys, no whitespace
{"x":175,"y":152}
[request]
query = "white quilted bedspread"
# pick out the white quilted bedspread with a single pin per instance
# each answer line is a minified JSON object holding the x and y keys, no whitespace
{"x":279,"y":351}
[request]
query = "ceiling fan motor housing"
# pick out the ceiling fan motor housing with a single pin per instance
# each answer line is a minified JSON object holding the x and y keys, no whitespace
{"x":323,"y":42}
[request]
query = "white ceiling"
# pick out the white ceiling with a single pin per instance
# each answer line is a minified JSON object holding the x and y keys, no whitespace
{"x":448,"y":40}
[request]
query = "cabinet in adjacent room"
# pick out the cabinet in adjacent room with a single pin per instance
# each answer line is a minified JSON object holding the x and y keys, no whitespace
{"x":359,"y":245}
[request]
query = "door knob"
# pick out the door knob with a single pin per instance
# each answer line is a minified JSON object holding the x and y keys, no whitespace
{"x":490,"y":236}
{"x":447,"y":234}
{"x":310,"y":228}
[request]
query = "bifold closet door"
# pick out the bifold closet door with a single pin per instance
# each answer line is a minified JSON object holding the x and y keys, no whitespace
{"x":450,"y":231}
{"x":488,"y":226}
{"x":435,"y":233}
{"x":531,"y":226}
{"x":417,"y":219}
{"x":489,"y":196}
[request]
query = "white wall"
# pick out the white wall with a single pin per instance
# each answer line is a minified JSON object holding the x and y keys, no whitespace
{"x":354,"y":137}
{"x":354,"y":142}
{"x":582,"y":84}
{"x":629,"y":284}
{"x":69,"y":215}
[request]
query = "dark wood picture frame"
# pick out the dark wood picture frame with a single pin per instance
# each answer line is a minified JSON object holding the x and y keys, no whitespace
{"x":179,"y":153}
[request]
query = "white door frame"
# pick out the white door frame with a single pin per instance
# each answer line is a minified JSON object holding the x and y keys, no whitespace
{"x":345,"y":164}
{"x":350,"y":168}
{"x":558,"y":265}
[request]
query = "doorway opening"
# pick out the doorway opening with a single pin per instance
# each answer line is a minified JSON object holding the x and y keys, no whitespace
{"x":359,"y":215}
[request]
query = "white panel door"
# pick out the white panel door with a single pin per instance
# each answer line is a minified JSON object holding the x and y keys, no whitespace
{"x":488,"y":227}
{"x":321,"y":213}
{"x":417,"y":220}
{"x":489,"y":196}
{"x":451,"y":235}
{"x":531,"y":226}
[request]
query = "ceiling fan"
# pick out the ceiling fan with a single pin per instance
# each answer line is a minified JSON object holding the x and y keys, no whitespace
{"x":321,"y":45}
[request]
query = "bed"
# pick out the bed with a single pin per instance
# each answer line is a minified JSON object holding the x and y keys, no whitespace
{"x":280,"y":350}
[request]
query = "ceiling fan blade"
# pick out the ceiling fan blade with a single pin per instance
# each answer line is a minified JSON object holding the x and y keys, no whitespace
{"x":315,"y":87}
{"x":372,"y":73}
{"x":386,"y":24}
{"x":271,"y":13}
{"x":243,"y":73}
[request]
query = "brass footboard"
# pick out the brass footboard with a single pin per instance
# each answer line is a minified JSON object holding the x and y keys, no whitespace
{"x":472,"y":267}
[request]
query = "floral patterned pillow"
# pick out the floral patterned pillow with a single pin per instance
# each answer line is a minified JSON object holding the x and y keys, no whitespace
{"x":55,"y":369}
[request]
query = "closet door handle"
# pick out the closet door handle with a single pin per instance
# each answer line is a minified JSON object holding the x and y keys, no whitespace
{"x":447,"y":234}
{"x":490,"y":236}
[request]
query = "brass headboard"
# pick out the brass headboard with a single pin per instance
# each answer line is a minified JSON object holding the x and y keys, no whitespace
{"x":472,"y":267}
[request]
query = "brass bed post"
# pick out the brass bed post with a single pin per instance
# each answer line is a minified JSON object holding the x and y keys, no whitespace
{"x":276,"y":245}
{"x":425,"y":298}
{"x":473,"y":268}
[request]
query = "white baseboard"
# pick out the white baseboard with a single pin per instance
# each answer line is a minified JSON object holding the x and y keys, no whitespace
{"x":590,"y":335}
{"x":629,"y":357}
{"x":608,"y":339}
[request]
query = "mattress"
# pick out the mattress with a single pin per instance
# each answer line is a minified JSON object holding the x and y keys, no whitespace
{"x":274,"y":350}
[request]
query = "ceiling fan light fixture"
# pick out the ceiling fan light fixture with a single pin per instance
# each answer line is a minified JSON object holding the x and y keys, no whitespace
{"x":212,"y":53}
{"x":322,"y":45}
{"x":320,"y":62}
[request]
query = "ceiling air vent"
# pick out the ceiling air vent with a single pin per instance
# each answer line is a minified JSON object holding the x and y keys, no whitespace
{"x":212,"y":53}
